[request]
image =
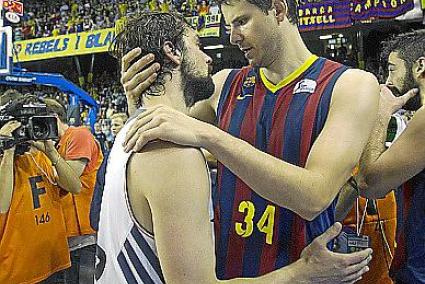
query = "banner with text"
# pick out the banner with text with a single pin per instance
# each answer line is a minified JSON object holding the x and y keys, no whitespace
{"x":64,"y":45}
{"x":331,"y":14}
{"x":370,"y":9}
{"x":94,"y":41}
{"x":206,"y":26}
{"x":323,"y":14}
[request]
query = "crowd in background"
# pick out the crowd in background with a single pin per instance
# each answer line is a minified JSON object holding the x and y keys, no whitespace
{"x":53,"y":18}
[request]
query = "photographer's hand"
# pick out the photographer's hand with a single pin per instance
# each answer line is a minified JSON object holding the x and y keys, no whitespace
{"x":68,"y":179}
{"x":7,"y":130}
{"x":47,"y":147}
{"x":6,"y":167}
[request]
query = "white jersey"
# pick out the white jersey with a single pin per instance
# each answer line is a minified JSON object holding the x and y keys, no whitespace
{"x":401,"y":126}
{"x":126,"y":253}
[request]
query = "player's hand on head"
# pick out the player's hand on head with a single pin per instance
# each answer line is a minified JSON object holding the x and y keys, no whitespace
{"x":137,"y":75}
{"x":9,"y":127}
{"x":325,"y":266}
{"x":163,"y":123}
{"x":389,"y":103}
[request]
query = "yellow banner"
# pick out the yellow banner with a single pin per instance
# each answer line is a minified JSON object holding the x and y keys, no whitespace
{"x":64,"y":45}
{"x":206,"y":26}
{"x":120,"y":24}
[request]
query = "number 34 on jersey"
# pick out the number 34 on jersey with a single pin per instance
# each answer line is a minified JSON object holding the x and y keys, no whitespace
{"x":264,"y":225}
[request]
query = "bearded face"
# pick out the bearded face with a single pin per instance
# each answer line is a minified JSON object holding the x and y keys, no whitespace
{"x":408,"y":83}
{"x":400,"y":81}
{"x":198,"y":85}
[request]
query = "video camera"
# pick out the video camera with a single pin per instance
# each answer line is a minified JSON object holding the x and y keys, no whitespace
{"x":36,"y":123}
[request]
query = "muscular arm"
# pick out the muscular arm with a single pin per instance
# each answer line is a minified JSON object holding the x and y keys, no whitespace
{"x":179,"y":206}
{"x":69,"y":171}
{"x":6,"y":178}
{"x":384,"y":170}
{"x":330,"y":162}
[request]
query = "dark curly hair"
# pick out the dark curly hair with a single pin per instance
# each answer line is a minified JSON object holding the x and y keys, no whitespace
{"x":409,"y":46}
{"x":266,"y":6}
{"x":149,"y":31}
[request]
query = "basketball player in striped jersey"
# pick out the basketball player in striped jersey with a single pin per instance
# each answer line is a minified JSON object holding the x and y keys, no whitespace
{"x":292,"y":127}
{"x":155,"y":224}
{"x":404,"y":162}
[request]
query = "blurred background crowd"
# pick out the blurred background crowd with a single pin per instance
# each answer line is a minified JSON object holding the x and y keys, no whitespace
{"x":53,"y":18}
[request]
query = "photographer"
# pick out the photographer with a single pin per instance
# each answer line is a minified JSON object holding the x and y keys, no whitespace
{"x":78,"y":147}
{"x":31,"y":219}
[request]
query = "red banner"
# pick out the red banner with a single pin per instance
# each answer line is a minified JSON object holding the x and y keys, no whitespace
{"x":323,"y":14}
{"x":373,"y":9}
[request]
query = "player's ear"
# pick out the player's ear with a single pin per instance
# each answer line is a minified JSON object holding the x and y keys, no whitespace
{"x":172,"y":53}
{"x":419,"y":67}
{"x":280,"y":10}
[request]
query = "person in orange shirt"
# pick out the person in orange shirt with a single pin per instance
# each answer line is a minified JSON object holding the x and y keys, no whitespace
{"x":203,"y":8}
{"x":82,"y":152}
{"x":378,"y":221}
{"x":33,"y":241}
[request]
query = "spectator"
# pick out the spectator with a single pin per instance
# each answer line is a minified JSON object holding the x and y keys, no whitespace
{"x":214,"y":8}
{"x":100,"y":137}
{"x":117,"y":122}
{"x":48,"y":17}
{"x":203,"y":8}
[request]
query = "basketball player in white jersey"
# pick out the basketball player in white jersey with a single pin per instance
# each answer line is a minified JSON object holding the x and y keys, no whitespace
{"x":155,"y":220}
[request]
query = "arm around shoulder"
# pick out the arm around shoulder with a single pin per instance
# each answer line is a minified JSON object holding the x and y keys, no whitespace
{"x":403,"y":160}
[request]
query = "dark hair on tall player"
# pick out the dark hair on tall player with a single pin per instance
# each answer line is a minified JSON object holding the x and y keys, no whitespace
{"x":150,"y":31}
{"x":267,"y":5}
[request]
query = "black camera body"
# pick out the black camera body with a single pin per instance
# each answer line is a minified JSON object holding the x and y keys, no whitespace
{"x":36,"y":123}
{"x":350,"y":242}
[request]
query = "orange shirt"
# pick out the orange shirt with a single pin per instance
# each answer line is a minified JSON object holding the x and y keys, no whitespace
{"x":388,"y":214}
{"x":78,"y":143}
{"x":33,"y":240}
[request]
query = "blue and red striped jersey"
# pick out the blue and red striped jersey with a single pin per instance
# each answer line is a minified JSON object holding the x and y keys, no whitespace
{"x":408,"y":265}
{"x":253,"y":235}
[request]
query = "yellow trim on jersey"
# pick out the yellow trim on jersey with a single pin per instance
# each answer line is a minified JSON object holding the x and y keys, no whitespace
{"x":290,"y":78}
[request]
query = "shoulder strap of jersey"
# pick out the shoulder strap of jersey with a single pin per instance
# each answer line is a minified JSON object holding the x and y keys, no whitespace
{"x":226,"y":91}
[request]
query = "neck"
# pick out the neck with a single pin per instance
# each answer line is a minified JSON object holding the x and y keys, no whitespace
{"x":172,"y":95}
{"x":291,"y":54}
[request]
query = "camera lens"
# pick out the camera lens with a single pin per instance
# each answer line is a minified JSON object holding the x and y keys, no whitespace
{"x":40,"y":129}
